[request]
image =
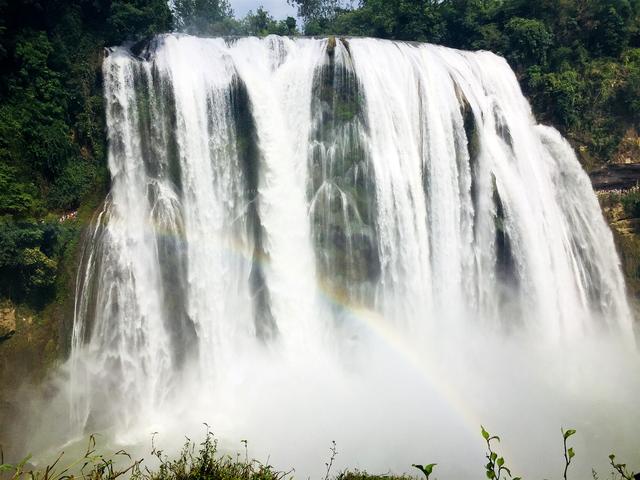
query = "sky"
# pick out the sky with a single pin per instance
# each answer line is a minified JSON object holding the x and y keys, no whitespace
{"x":279,"y":9}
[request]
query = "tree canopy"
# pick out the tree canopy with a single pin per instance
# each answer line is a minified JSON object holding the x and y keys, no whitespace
{"x":52,"y":132}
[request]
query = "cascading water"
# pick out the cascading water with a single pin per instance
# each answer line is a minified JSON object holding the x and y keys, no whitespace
{"x":359,"y":240}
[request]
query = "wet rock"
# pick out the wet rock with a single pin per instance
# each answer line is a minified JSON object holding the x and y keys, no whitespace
{"x":619,"y":176}
{"x":331,"y":45}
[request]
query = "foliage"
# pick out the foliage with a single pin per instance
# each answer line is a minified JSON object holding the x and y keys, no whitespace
{"x":329,"y":464}
{"x":131,"y":19}
{"x":319,"y":10}
{"x":29,"y":253}
{"x":261,"y":23}
{"x":426,"y":470}
{"x":91,"y":465}
{"x":52,"y":132}
{"x":528,"y":41}
{"x":215,"y":17}
{"x":568,"y":452}
{"x":203,"y":461}
{"x":17,"y":198}
{"x":495,"y":464}
{"x":621,"y":469}
{"x":204,"y":17}
{"x":563,"y":93}
{"x":207,"y":463}
{"x":630,"y":88}
{"x":631,"y":203}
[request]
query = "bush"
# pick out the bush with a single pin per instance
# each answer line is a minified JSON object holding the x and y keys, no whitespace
{"x":631,"y":203}
{"x":133,"y":19}
{"x":611,"y":33}
{"x":204,"y":17}
{"x":17,"y":198}
{"x":52,"y":132}
{"x":564,"y":94}
{"x":529,"y":41}
{"x":75,"y":181}
{"x":261,"y":23}
{"x":630,"y":91}
{"x":38,"y":272}
{"x":29,"y":254}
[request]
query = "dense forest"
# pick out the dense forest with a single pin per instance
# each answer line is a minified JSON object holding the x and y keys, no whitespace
{"x":578,"y":62}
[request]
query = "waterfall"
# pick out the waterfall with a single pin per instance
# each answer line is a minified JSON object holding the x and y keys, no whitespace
{"x":349,"y":239}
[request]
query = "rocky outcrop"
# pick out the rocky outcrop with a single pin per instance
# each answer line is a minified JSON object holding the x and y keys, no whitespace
{"x":623,"y":168}
{"x":7,"y":322}
{"x":628,"y":150}
{"x":626,"y":234}
{"x":616,"y":176}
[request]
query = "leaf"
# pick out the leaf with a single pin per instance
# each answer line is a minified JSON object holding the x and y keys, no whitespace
{"x":493,"y":456}
{"x":485,"y":434}
{"x":491,"y":474}
{"x":24,"y":461}
{"x":571,"y":453}
{"x":500,"y":462}
{"x":568,"y":433}
{"x":425,"y":469}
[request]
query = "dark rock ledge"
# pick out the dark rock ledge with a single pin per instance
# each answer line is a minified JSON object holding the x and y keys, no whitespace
{"x":616,"y":176}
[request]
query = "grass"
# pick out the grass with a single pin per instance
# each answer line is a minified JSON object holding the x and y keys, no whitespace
{"x":204,"y":462}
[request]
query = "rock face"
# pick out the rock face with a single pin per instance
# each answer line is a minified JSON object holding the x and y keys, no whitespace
{"x":617,"y":176}
{"x":7,"y":322}
{"x":626,"y":234}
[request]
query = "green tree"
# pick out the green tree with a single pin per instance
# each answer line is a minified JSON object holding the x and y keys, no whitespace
{"x":465,"y":19}
{"x":406,"y":19}
{"x":292,"y":27}
{"x":611,"y":33}
{"x":202,"y":16}
{"x":259,"y":23}
{"x":630,"y":92}
{"x":52,"y":132}
{"x":529,"y":41}
{"x":17,"y":198}
{"x":318,"y":10}
{"x":564,"y":94}
{"x":132,"y":19}
{"x":38,"y":273}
